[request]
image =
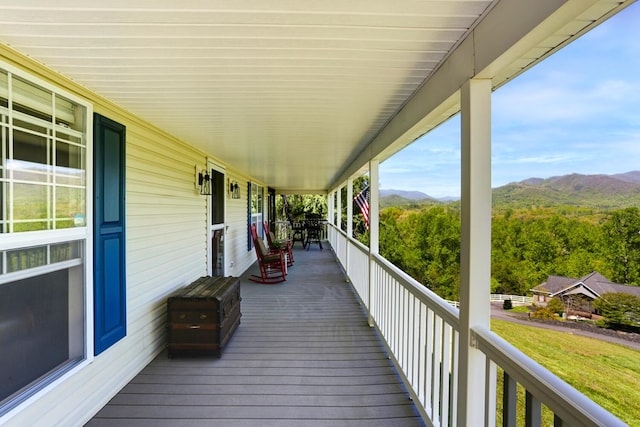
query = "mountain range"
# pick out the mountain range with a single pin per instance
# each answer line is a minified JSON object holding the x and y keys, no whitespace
{"x":598,"y":191}
{"x":406,"y":198}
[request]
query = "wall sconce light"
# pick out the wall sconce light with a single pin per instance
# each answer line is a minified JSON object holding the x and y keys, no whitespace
{"x":234,"y":189}
{"x":203,"y":180}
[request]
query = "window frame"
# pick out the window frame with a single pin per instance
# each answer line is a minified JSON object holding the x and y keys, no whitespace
{"x":258,"y":190}
{"x":28,"y":239}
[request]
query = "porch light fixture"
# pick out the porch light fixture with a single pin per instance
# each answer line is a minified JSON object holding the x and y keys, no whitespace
{"x":203,"y":182}
{"x":234,"y":189}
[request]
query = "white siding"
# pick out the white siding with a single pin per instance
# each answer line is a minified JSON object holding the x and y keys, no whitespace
{"x":166,"y":226}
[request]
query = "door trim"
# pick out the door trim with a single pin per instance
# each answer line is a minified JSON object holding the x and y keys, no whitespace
{"x":220,"y":226}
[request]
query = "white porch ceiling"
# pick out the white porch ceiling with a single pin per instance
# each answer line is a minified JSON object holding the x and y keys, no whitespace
{"x":290,"y":92}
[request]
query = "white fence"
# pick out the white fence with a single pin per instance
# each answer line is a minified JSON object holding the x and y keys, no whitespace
{"x":515,"y":299}
{"x":421,"y":333}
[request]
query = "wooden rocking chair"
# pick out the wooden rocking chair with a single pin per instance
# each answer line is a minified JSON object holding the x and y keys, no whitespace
{"x":275,"y":244}
{"x":273,"y":267}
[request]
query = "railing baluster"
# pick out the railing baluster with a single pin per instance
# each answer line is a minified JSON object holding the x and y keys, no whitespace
{"x":411,"y":349}
{"x":437,"y":368}
{"x":405,"y":329}
{"x":533,"y":411}
{"x":454,"y":381}
{"x":491,"y":385}
{"x":569,"y":406}
{"x":446,"y":373}
{"x":430,"y":362}
{"x":557,"y":421}
{"x":393,"y":332}
{"x":422,"y":349}
{"x":421,"y":332}
{"x":402,"y":329}
{"x":509,"y":401}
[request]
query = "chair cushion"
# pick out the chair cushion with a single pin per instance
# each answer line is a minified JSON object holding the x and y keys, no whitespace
{"x":271,"y":259}
{"x":261,"y":248}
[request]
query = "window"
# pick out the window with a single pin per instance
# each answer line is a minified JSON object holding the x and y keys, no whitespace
{"x":43,"y":193}
{"x":256,"y":206}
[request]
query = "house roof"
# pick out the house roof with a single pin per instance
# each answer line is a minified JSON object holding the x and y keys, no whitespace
{"x":299,"y":95}
{"x":595,"y":284}
{"x":554,"y":284}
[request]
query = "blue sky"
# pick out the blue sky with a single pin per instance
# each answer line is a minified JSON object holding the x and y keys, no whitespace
{"x":576,"y":112}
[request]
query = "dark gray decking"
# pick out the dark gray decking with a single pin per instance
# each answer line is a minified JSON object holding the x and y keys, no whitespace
{"x":302,"y":356}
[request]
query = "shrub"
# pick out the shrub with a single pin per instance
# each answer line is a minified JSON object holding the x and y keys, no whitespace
{"x":619,"y":309}
{"x":556,"y":306}
{"x":507,"y":304}
{"x":543,"y":313}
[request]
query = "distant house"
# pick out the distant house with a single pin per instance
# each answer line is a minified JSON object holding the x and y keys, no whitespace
{"x":586,"y":288}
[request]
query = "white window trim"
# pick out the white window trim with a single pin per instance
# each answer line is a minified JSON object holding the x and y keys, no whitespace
{"x":210,"y":228}
{"x":34,"y":238}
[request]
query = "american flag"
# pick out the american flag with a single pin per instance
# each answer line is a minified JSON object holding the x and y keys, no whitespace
{"x":362,"y":200}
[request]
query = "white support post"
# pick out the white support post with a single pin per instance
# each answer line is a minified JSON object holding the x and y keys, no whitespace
{"x":374,"y":235}
{"x":349,"y":202}
{"x":330,"y":207}
{"x":334,"y":195}
{"x":350,"y":207}
{"x":339,"y":208}
{"x":475,"y":250}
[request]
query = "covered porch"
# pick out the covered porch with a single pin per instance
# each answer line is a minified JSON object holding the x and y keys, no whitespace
{"x":294,"y":98}
{"x":348,"y":339}
{"x":303,"y":355}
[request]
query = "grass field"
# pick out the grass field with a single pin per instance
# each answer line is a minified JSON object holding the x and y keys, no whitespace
{"x":608,"y":374}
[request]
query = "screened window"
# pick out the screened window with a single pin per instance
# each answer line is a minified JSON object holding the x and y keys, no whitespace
{"x":255,"y":206}
{"x":43,"y":193}
{"x":43,"y":158}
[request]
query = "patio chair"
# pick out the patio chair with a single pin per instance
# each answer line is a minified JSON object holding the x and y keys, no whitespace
{"x":314,"y":230}
{"x":276,"y":244}
{"x":273,"y":267}
{"x":297,"y":231}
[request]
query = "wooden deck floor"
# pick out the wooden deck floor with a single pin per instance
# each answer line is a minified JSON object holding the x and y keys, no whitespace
{"x":302,"y":356}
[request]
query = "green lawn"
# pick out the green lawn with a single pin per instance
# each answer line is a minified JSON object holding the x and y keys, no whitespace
{"x":608,"y":374}
{"x":519,"y":309}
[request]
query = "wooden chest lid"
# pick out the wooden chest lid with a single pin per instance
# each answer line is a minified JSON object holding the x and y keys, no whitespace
{"x":206,"y":287}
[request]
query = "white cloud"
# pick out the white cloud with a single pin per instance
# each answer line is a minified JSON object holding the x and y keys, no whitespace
{"x":577,"y":111}
{"x":542,"y":159}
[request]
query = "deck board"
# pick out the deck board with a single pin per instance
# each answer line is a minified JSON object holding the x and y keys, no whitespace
{"x":303,"y":355}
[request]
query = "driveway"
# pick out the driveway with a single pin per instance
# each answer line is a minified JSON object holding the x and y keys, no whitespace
{"x":497,"y":312}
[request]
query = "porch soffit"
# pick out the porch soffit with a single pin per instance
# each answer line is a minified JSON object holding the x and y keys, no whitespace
{"x":296,"y":94}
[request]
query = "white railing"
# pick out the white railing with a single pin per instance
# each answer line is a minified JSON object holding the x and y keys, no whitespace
{"x":355,"y":261}
{"x":341,"y":250}
{"x":515,"y":299}
{"x":421,"y":333}
{"x":283,"y":230}
{"x":569,"y":406}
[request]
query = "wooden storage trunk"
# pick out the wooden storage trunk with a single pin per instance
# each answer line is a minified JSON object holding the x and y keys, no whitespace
{"x":203,"y":316}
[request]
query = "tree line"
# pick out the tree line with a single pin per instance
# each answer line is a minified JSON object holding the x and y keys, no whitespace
{"x":528,"y":245}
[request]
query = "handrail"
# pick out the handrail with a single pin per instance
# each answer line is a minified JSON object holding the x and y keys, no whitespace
{"x":403,"y":311}
{"x":553,"y":392}
{"x":443,"y":309}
